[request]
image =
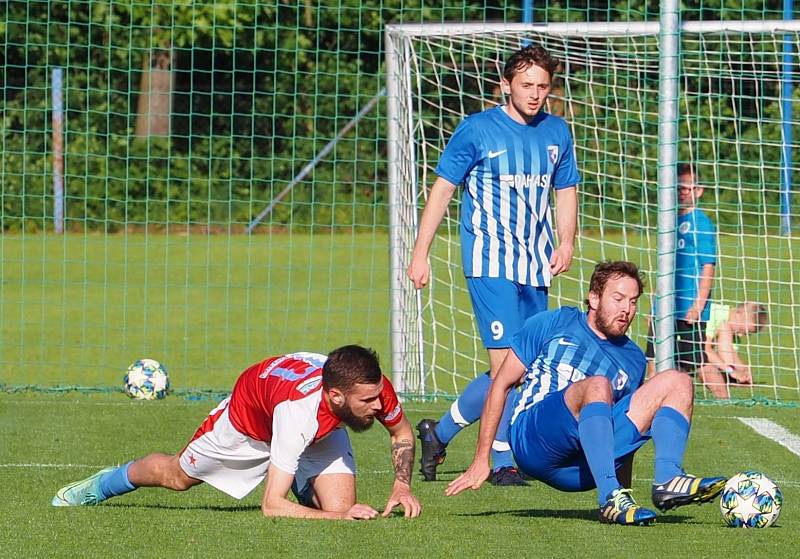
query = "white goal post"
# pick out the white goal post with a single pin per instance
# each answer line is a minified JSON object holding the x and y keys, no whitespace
{"x":735,"y":113}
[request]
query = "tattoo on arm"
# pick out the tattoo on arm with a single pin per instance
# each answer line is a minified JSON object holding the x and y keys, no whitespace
{"x":403,"y":460}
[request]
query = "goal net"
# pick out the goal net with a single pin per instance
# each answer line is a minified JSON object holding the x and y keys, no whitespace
{"x":736,"y":115}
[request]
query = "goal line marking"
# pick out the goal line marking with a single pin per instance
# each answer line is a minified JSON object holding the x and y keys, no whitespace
{"x":773,"y":431}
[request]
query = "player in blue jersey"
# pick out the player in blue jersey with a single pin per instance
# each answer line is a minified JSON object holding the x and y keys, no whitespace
{"x":583,"y":411}
{"x":508,"y":159}
{"x":695,"y":264}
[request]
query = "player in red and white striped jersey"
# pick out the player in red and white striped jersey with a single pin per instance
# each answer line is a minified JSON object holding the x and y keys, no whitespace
{"x":283,"y":420}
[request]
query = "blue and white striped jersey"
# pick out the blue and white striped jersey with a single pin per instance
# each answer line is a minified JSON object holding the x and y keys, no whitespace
{"x":508,"y":170}
{"x":558,"y":347}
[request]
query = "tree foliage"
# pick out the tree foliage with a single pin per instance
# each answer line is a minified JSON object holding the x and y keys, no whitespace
{"x":260,"y":89}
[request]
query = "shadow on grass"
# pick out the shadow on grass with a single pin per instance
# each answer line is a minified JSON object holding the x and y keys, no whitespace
{"x":217,"y":508}
{"x":568,"y":514}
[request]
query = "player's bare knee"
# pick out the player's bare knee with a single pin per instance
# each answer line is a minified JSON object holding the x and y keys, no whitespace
{"x":678,"y":381}
{"x":678,"y":391}
{"x":597,"y":389}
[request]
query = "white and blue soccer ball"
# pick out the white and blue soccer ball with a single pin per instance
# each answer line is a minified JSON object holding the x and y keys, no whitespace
{"x":750,"y":500}
{"x":146,"y":379}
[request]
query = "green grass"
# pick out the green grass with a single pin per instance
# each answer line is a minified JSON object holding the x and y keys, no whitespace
{"x":77,"y":309}
{"x":80,"y":309}
{"x":76,"y":434}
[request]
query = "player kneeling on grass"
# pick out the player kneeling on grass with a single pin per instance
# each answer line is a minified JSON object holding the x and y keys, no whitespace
{"x":583,"y":411}
{"x":283,"y":420}
{"x":724,"y":365}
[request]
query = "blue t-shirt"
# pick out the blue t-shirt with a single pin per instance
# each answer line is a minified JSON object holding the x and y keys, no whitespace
{"x":508,"y":169}
{"x":558,"y":348}
{"x":696,"y":247}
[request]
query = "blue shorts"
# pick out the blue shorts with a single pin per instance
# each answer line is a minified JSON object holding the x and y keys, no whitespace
{"x":501,"y":307}
{"x":544,"y":439}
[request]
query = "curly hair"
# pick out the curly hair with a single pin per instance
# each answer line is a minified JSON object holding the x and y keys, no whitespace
{"x":529,"y":56}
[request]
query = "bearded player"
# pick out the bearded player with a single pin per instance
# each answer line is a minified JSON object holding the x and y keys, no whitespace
{"x":583,"y":411}
{"x":283,"y":420}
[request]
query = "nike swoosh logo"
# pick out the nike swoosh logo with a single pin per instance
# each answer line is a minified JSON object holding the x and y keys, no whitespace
{"x":562,"y":341}
{"x":493,"y":154}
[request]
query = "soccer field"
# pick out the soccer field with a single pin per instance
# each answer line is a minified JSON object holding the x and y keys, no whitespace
{"x":85,"y":432}
{"x":78,"y":309}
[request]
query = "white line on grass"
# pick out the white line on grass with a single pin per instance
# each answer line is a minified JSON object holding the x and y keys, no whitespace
{"x":773,"y":431}
{"x":56,"y":466}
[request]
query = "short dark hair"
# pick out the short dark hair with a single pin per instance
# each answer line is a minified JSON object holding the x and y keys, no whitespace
{"x":350,"y":365}
{"x":529,"y":56}
{"x":607,"y":270}
{"x":686,"y":169}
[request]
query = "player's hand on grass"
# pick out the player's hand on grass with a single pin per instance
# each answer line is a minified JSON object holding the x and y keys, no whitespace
{"x":473,"y":478}
{"x":419,"y":271}
{"x":402,"y":496}
{"x":561,"y":259}
{"x":741,"y":374}
{"x":360,"y":512}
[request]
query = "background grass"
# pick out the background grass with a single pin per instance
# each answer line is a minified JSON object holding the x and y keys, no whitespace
{"x":78,"y":309}
{"x":77,"y":434}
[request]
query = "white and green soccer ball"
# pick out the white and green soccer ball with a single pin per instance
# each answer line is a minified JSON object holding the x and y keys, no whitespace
{"x":147,"y":379}
{"x":750,"y":500}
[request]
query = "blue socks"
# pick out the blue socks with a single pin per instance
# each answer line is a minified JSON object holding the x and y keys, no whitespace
{"x":502,"y":457}
{"x":464,"y":411}
{"x":116,"y":482}
{"x":670,"y":432}
{"x":467,"y":410}
{"x":596,"y":433}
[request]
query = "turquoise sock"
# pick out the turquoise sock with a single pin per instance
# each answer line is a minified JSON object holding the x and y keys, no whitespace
{"x":116,"y":482}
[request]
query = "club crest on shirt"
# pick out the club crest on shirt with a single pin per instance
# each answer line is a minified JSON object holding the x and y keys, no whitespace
{"x":684,"y":227}
{"x":308,"y":385}
{"x":552,"y":151}
{"x":620,"y":379}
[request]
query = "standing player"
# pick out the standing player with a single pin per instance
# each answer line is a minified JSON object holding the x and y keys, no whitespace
{"x":583,"y":411}
{"x":283,"y":420}
{"x":695,"y":263}
{"x":508,"y":158}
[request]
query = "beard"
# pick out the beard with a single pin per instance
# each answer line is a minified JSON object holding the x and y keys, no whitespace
{"x":357,"y":424}
{"x":608,"y":324}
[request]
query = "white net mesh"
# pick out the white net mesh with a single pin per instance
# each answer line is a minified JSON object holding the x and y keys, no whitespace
{"x":731,"y":128}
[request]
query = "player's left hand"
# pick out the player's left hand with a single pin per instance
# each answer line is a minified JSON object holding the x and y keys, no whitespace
{"x":742,"y":375}
{"x":402,"y":496}
{"x":693,"y":314}
{"x":473,"y":478}
{"x":561,"y":259}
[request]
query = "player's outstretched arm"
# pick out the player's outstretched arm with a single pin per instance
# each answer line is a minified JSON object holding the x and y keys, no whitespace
{"x":275,"y":502}
{"x":439,"y":197}
{"x":509,"y":375}
{"x":567,"y":224}
{"x":729,"y":357}
{"x":403,"y":463}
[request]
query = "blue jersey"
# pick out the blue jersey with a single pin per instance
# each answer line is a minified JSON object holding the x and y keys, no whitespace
{"x":697,"y":246}
{"x":558,"y":347}
{"x":508,"y":169}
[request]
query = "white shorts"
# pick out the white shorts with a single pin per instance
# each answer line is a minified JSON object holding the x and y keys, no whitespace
{"x":235,"y":463}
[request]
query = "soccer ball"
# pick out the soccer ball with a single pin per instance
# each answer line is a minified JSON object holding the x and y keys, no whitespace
{"x":146,"y":379}
{"x":750,"y":500}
